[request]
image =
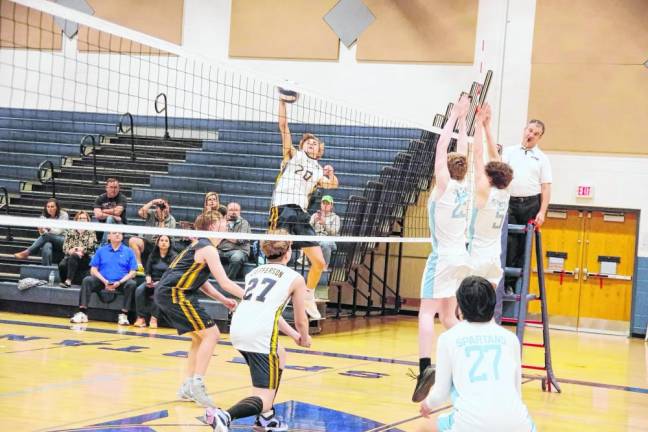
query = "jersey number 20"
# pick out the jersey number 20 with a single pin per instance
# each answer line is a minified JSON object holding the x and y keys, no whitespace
{"x":251,"y":285}
{"x":307,"y":174}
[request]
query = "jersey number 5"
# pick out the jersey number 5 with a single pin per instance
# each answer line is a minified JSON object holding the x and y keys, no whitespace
{"x":252,"y":284}
{"x":482,"y":351}
{"x":307,"y":174}
{"x":499,"y":217}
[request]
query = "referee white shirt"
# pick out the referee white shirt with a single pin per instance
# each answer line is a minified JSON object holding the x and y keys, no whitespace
{"x":531,"y":169}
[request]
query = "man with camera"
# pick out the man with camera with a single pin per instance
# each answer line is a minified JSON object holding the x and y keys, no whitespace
{"x":157,"y":213}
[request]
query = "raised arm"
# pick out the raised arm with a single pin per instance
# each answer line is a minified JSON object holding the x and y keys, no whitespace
{"x":462,"y":140}
{"x":493,"y":151}
{"x":441,"y":172}
{"x":286,"y":138}
{"x":482,"y":185}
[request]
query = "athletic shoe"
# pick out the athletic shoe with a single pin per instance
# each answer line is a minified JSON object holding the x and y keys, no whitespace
{"x":140,"y":270}
{"x":184,"y":392}
{"x":311,"y":305}
{"x":122,"y":319}
{"x":217,"y":418}
{"x":424,"y":383}
{"x":199,"y":394}
{"x":79,"y":318}
{"x":272,"y":423}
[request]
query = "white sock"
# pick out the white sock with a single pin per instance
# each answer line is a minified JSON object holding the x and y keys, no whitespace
{"x":268,"y":413}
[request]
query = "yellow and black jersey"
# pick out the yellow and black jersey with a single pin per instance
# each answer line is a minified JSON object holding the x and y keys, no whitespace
{"x":184,"y":273}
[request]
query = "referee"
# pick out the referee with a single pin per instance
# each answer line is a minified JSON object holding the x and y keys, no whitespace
{"x":530,"y":188}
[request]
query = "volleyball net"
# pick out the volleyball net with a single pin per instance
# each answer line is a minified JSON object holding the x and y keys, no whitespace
{"x":84,"y":101}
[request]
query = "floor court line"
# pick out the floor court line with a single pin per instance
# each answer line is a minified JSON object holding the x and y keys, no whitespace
{"x":407,"y":420}
{"x":95,"y":379}
{"x":220,"y":391}
{"x":631,"y":389}
{"x":64,"y":346}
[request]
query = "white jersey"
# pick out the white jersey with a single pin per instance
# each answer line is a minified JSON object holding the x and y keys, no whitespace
{"x":297,"y":181}
{"x":485,"y":230}
{"x":447,"y":217}
{"x":254,"y":325}
{"x":478,"y":364}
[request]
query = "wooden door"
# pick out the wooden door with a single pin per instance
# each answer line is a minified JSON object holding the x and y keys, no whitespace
{"x":608,"y":267}
{"x":562,"y":240}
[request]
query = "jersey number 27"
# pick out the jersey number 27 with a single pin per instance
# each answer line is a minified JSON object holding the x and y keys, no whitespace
{"x":481,"y":354}
{"x":252,"y":284}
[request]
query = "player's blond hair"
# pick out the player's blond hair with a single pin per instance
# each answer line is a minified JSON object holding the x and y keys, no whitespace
{"x":207,"y":219}
{"x":457,"y":166}
{"x":275,"y":249}
{"x":308,"y":136}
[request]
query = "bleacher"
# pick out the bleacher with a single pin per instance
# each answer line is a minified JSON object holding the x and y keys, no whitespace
{"x":238,"y":159}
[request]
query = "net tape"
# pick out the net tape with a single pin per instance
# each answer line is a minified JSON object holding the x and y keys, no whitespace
{"x":31,"y":222}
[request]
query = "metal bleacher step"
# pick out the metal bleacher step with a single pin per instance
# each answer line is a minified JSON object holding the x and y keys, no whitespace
{"x":121,"y":171}
{"x":153,"y":165}
{"x":74,"y":186}
{"x":159,"y":141}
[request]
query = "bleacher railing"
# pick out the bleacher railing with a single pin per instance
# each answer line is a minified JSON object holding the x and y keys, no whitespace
{"x":130,"y":128}
{"x":4,"y":204}
{"x":163,"y":109}
{"x":45,"y":175}
{"x":84,"y":152}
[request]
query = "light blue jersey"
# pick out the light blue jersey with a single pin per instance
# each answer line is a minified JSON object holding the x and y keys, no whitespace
{"x":447,"y":216}
{"x":479,"y":364}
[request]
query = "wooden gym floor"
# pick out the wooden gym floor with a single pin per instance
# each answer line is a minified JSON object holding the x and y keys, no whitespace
{"x":54,"y":377}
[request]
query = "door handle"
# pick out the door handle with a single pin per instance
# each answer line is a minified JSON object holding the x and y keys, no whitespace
{"x":606,"y":276}
{"x":574,"y":272}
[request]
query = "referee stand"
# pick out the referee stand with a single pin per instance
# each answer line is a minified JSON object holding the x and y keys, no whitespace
{"x":522,"y":297}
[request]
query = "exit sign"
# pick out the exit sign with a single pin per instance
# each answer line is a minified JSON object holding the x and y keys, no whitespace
{"x":584,"y":191}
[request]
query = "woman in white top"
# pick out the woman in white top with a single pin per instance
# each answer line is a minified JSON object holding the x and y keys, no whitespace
{"x":50,"y":240}
{"x":478,"y":366}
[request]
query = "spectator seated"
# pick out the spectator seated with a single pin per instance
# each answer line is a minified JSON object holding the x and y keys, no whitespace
{"x":112,"y":271}
{"x":50,"y":240}
{"x":157,"y":263}
{"x":234,"y":252}
{"x":78,"y":246}
{"x":156,"y":213}
{"x":110,"y":207}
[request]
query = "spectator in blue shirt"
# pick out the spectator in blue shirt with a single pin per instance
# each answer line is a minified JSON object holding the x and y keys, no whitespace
{"x":112,"y":269}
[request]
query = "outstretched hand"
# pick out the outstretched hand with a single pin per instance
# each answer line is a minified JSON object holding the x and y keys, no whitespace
{"x":425,"y":410}
{"x":484,"y":114}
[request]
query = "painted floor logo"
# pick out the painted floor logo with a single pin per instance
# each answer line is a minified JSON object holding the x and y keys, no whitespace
{"x":301,"y":416}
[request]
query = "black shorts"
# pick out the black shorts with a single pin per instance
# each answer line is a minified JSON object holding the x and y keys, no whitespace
{"x":296,"y":221}
{"x":264,"y":369}
{"x":186,"y":315}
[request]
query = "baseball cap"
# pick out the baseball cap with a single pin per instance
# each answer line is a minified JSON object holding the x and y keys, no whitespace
{"x":327,"y":198}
